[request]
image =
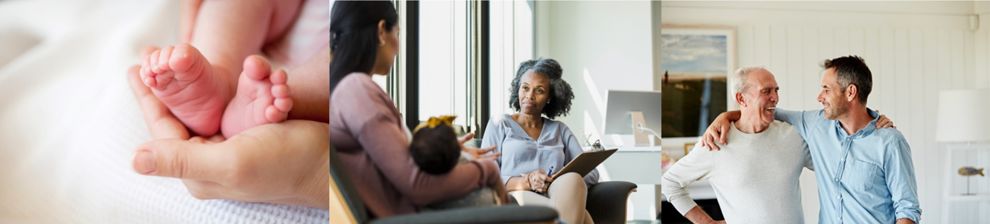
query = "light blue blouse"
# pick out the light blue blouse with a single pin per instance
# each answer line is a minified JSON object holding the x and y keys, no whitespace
{"x":555,"y":146}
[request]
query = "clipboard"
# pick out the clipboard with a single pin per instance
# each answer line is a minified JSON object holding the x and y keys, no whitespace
{"x":585,"y":162}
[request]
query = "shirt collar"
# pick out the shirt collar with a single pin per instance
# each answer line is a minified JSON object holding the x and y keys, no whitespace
{"x":870,"y":127}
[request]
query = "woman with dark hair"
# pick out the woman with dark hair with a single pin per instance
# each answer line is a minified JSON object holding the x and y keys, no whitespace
{"x":365,"y":126}
{"x":533,"y":145}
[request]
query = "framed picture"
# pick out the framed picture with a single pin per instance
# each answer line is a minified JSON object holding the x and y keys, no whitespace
{"x":695,"y":62}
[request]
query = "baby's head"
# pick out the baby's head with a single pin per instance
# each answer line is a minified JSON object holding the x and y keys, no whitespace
{"x":434,"y":145}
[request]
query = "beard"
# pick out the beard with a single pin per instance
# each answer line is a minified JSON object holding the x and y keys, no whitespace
{"x":834,"y":110}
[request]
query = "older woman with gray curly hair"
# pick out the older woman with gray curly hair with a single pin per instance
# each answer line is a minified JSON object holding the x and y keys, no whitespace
{"x":534,"y":145}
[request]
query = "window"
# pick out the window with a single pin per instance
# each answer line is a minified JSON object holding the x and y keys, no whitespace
{"x":511,"y":44}
{"x":458,"y":57}
{"x":443,"y":59}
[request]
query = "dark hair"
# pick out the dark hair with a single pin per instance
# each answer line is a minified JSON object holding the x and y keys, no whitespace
{"x":354,"y":36}
{"x":435,"y":150}
{"x":852,"y":70}
{"x":560,"y":92}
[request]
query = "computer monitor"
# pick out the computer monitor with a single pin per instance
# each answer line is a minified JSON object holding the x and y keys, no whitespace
{"x":624,"y":108}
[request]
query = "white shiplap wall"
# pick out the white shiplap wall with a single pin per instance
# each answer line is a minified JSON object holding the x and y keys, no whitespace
{"x":913,"y":49}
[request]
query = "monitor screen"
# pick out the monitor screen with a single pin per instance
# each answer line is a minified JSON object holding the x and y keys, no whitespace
{"x":621,"y":103}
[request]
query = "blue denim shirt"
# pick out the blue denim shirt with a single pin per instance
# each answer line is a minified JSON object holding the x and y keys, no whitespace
{"x":867,"y":177}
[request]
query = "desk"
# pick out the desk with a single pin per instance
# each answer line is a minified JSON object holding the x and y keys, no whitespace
{"x":641,"y":165}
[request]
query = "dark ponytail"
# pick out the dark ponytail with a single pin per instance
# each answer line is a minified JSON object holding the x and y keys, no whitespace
{"x":354,"y":36}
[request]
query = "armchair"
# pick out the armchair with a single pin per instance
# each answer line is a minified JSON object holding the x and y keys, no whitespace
{"x":346,"y":207}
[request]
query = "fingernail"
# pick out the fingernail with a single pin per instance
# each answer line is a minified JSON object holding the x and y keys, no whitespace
{"x":144,"y":162}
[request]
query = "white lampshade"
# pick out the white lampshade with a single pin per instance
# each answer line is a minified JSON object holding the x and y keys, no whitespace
{"x":963,"y":116}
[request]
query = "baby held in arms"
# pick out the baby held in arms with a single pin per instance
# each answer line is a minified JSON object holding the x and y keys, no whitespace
{"x":436,"y":150}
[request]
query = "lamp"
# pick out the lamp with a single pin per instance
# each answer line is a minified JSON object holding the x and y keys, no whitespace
{"x":963,"y":118}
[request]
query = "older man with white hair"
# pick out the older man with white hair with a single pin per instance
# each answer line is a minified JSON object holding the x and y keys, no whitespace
{"x":755,"y":176}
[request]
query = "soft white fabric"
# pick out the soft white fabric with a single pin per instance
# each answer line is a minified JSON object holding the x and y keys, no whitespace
{"x":754,"y":176}
{"x":69,"y":123}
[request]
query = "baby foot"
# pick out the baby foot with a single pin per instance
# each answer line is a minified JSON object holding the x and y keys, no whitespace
{"x":262,"y":97}
{"x":188,"y":84}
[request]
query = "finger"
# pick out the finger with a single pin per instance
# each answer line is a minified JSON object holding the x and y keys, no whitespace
{"x":487,"y":149}
{"x":706,"y":140}
{"x":216,"y":139}
{"x":493,"y":156}
{"x":160,"y":121}
{"x":723,"y":134}
{"x":710,"y":141}
{"x":198,"y":140}
{"x":204,"y":140}
{"x":465,"y":138}
{"x":182,"y":159}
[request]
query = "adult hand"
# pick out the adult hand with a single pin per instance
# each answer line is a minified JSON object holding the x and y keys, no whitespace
{"x":538,"y":181}
{"x":478,"y":153}
{"x":284,"y":163}
{"x":884,"y":121}
{"x":718,"y":130}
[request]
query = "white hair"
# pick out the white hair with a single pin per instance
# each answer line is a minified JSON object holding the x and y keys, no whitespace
{"x":742,"y":74}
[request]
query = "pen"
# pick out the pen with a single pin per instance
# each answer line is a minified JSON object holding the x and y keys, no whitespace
{"x":550,"y":171}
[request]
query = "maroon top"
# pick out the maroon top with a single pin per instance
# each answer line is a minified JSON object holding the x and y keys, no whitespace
{"x":366,"y":130}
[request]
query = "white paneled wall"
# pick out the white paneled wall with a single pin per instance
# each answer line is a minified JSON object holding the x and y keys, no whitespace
{"x":913,"y":49}
{"x":982,"y":47}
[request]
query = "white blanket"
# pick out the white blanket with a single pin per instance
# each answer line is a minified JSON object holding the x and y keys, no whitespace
{"x":69,"y":123}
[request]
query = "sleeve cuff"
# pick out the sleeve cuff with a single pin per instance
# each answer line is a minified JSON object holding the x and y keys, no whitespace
{"x":912,"y":215}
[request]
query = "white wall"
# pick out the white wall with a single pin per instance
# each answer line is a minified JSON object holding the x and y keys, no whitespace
{"x":982,"y":50}
{"x":601,"y":46}
{"x":913,"y":49}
